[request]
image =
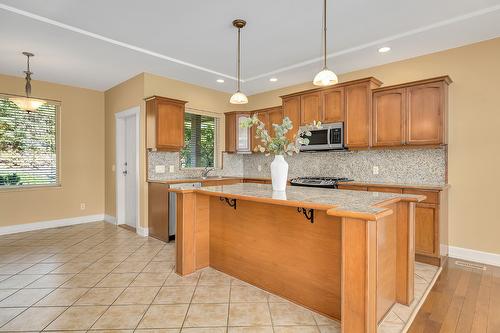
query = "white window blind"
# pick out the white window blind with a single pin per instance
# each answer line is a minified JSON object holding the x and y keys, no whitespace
{"x":28,"y":145}
{"x":199,"y":141}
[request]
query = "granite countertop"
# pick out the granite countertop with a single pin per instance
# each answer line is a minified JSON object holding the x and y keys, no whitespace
{"x":356,"y":204}
{"x":431,"y":187}
{"x":179,"y":180}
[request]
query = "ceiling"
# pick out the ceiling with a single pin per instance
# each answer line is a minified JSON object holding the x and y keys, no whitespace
{"x":97,"y":44}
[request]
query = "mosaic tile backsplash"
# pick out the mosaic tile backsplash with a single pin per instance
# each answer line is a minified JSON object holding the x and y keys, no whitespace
{"x":407,"y":166}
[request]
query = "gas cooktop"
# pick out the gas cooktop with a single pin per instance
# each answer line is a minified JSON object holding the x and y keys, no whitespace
{"x":326,"y":182}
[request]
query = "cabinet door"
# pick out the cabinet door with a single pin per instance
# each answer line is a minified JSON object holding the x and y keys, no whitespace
{"x":358,"y":116}
{"x":425,"y":117}
{"x":291,"y":109}
{"x":426,"y":217}
{"x":333,"y":105}
{"x":158,"y":211}
{"x":169,"y":126}
{"x":389,"y":117}
{"x":230,"y":121}
{"x":275,"y":117}
{"x":310,"y":108}
{"x":264,"y":117}
{"x":243,"y":134}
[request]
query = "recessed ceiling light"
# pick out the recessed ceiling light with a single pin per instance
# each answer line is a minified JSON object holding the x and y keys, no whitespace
{"x":384,"y":49}
{"x":220,"y":80}
{"x":273,"y":79}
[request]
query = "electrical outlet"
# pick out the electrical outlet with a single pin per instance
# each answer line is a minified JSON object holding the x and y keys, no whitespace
{"x":375,"y":170}
{"x":113,"y":168}
{"x":171,"y":168}
{"x":82,"y":206}
{"x":259,"y":167}
{"x":160,"y":169}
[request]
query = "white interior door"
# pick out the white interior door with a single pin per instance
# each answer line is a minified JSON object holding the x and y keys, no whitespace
{"x":130,"y":172}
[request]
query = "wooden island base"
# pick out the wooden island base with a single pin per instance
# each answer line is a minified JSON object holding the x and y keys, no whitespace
{"x":346,"y":268}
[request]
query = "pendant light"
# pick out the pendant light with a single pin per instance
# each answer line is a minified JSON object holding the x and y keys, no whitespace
{"x":239,"y":97}
{"x":325,"y":77}
{"x":27,"y":103}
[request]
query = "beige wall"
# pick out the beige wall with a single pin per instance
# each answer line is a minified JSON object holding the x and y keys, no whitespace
{"x":81,"y":158}
{"x":124,"y":96}
{"x":132,"y":93}
{"x":474,"y":136}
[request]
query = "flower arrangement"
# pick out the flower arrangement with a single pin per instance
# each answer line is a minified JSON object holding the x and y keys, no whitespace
{"x":279,"y":144}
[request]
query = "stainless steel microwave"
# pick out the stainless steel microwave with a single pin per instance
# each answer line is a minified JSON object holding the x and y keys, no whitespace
{"x":328,"y":137}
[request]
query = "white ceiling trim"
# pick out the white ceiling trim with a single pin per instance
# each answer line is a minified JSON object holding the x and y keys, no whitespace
{"x":110,"y":40}
{"x":379,"y":41}
{"x":303,"y":64}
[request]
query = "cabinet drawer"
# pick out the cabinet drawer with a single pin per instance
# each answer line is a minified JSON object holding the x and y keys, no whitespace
{"x":352,"y":187}
{"x":432,"y":196}
{"x":257,"y":181}
{"x":385,"y":189}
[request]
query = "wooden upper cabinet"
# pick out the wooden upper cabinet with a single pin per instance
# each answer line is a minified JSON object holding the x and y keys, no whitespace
{"x":357,"y":115}
{"x":310,"y":108}
{"x":389,"y":117}
{"x":237,"y":139}
{"x":230,"y":122}
{"x":269,"y":117}
{"x":275,"y":117}
{"x":426,"y":114}
{"x":413,"y":113}
{"x":164,"y":123}
{"x":264,"y":117}
{"x":291,"y":109}
{"x":333,"y":105}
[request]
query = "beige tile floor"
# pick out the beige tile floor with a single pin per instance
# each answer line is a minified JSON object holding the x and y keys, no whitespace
{"x":99,"y":278}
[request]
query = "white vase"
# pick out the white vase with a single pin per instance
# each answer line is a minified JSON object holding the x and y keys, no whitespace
{"x":279,"y":173}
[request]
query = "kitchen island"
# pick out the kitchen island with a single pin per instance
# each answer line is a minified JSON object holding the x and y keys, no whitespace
{"x":346,"y":254}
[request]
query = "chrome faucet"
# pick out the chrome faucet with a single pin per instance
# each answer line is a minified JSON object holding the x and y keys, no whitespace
{"x":205,"y":172}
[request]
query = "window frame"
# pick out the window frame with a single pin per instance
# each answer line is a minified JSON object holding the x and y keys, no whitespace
{"x":217,"y":117}
{"x":58,"y":182}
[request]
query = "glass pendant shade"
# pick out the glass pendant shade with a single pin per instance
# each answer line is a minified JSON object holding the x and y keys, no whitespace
{"x":26,"y":103}
{"x":325,"y":78}
{"x":238,"y":98}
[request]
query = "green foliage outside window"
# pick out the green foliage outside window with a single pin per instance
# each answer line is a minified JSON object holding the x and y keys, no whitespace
{"x":199,"y":141}
{"x":27,"y":145}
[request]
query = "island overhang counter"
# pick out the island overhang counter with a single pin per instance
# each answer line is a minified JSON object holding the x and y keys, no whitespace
{"x":346,"y":254}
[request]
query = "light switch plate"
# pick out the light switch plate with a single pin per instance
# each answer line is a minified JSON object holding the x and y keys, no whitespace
{"x":375,"y":170}
{"x":171,"y":168}
{"x":160,"y":169}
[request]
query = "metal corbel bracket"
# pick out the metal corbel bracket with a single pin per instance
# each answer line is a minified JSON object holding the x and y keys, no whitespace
{"x":230,"y":202}
{"x":308,"y":213}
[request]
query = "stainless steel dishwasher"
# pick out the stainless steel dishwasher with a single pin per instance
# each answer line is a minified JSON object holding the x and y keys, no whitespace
{"x":172,"y":207}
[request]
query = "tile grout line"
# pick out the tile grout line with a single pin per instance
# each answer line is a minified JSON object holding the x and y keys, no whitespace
{"x":89,"y":287}
{"x":149,"y":306}
{"x":191,"y":300}
{"x":40,"y":278}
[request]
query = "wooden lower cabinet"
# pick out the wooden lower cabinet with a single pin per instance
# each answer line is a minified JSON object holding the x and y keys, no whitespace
{"x":426,"y":219}
{"x":158,"y":211}
{"x":431,"y":220}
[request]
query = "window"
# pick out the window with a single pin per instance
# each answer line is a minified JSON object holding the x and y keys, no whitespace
{"x":28,"y":145}
{"x":199,"y":141}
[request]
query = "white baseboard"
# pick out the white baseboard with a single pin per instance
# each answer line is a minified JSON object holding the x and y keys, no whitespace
{"x":473,"y":255}
{"x":12,"y":229}
{"x":144,"y":232}
{"x":110,"y":219}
